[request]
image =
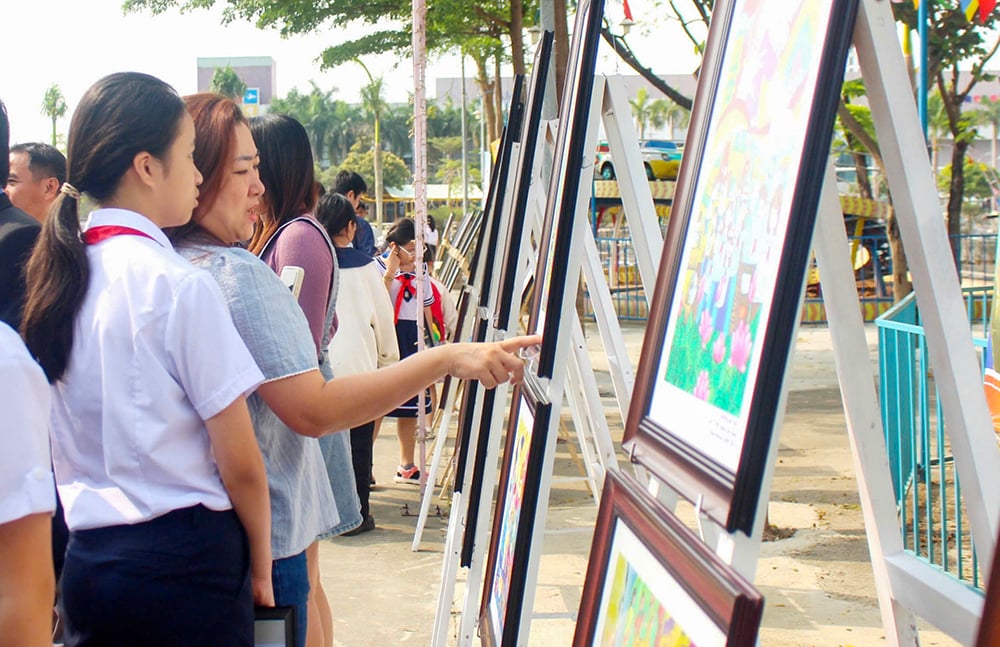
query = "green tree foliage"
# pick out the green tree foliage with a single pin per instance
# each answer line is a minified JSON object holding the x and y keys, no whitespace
{"x":487,"y":30}
{"x":54,"y":107}
{"x":362,"y":161}
{"x":648,"y":112}
{"x":988,"y":113}
{"x":977,"y":182}
{"x":953,"y":41}
{"x":226,"y":81}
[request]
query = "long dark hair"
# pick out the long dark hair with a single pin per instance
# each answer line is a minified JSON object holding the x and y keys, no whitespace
{"x":120,"y":116}
{"x":286,"y":170}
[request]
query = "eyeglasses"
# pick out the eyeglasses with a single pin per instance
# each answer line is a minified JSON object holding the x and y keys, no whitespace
{"x":408,"y":252}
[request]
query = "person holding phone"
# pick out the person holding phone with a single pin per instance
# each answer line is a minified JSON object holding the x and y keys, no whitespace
{"x":398,"y":265}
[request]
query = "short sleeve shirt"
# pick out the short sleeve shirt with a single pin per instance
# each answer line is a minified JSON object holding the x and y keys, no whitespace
{"x":26,"y":485}
{"x":155,"y":354}
{"x":275,"y":331}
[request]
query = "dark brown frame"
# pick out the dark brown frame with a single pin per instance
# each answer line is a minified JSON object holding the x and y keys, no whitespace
{"x":730,"y":497}
{"x":989,"y":625}
{"x":728,"y":600}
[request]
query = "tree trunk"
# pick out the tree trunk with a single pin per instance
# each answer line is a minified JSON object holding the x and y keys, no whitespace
{"x":901,"y":284}
{"x":956,"y":191}
{"x":561,"y":46}
{"x":516,"y":40}
{"x":498,"y":93}
{"x":864,"y":182}
{"x":486,"y":89}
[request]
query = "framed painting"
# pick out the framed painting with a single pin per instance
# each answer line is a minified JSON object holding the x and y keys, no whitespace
{"x":730,"y":282}
{"x":651,"y":581}
{"x":518,"y":197}
{"x":517,"y":500}
{"x":989,"y":625}
{"x":508,"y":591}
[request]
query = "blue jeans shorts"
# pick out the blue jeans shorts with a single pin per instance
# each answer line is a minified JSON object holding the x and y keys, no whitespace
{"x":290,"y":579}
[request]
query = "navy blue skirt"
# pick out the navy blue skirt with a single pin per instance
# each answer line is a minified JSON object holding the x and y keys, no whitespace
{"x":179,"y":579}
{"x":406,"y":337}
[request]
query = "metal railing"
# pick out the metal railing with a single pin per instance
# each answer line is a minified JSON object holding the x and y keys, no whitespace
{"x":928,"y":493}
{"x":869,"y":254}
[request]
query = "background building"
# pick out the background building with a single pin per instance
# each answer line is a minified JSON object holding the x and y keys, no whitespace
{"x":258,"y":72}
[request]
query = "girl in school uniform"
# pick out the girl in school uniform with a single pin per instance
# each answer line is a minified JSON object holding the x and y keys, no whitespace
{"x":154,"y":454}
{"x":27,"y":498}
{"x":295,"y":403}
{"x":398,"y":265}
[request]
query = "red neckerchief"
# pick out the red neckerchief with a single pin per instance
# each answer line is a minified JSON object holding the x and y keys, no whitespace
{"x":406,"y":292}
{"x":97,"y":234}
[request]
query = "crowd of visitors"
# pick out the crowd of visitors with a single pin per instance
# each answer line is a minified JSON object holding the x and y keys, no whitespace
{"x":184,"y":428}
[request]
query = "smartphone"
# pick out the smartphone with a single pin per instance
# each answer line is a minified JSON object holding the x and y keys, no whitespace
{"x":291,"y":276}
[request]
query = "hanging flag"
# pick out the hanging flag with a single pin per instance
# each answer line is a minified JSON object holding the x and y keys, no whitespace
{"x":628,"y":11}
{"x":969,"y":8}
{"x":986,"y":8}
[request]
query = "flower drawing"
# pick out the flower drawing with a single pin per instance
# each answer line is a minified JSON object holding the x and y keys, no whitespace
{"x":719,"y":350}
{"x":739,"y":352}
{"x":701,"y":387}
{"x":705,"y":327}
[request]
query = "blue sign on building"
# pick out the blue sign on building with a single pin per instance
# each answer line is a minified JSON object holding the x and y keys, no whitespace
{"x":251,"y":96}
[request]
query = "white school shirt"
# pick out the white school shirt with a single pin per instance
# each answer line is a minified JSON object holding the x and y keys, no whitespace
{"x":26,"y":486}
{"x":155,"y":353}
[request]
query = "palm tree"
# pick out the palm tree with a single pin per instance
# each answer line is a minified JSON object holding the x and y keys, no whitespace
{"x":54,"y":107}
{"x":374,"y":104}
{"x":989,"y":113}
{"x":321,"y":116}
{"x":677,"y":117}
{"x":937,"y":125}
{"x":648,"y":112}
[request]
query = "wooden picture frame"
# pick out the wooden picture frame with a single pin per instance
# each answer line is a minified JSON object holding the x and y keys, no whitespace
{"x":730,"y":281}
{"x":649,"y":572}
{"x":274,"y":626}
{"x":989,"y":624}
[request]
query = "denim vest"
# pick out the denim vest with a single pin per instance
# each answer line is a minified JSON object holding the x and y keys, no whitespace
{"x":276,"y":332}
{"x":336,"y":447}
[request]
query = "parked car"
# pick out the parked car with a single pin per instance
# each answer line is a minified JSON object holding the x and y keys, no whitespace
{"x":668,"y":148}
{"x":658,"y":163}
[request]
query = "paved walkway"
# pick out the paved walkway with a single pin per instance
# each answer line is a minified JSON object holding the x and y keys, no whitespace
{"x":817,"y":583}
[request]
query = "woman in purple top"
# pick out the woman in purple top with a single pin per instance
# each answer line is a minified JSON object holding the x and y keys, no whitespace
{"x":289,"y":236}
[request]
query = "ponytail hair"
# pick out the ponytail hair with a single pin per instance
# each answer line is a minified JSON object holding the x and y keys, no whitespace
{"x":402,"y":232}
{"x":120,"y":116}
{"x":334,"y":212}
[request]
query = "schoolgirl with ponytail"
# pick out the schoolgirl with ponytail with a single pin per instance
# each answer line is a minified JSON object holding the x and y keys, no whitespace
{"x":154,"y":454}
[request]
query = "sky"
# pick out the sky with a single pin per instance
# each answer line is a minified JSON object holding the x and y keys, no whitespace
{"x":73,"y":43}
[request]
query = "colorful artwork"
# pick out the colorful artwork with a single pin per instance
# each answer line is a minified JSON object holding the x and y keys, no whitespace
{"x":642,"y":605}
{"x":513,"y":498}
{"x":737,"y":227}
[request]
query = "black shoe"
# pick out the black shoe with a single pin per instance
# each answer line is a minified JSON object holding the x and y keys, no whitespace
{"x":366,"y":525}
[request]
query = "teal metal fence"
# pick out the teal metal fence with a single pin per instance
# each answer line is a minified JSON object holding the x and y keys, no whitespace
{"x":926,"y":485}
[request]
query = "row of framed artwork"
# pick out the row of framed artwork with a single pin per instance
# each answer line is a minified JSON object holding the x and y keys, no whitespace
{"x":713,"y":360}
